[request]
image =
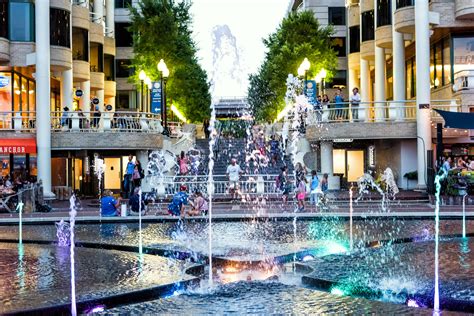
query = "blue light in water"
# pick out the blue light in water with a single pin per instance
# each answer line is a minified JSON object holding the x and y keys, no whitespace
{"x":308,"y":258}
{"x":337,"y":291}
{"x":412,"y":303}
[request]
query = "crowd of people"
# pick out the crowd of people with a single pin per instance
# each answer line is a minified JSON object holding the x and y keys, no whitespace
{"x":460,"y":164}
{"x":339,"y":106}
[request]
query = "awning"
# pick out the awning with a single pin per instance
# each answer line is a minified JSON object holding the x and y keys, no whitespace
{"x":17,"y":146}
{"x":460,"y":120}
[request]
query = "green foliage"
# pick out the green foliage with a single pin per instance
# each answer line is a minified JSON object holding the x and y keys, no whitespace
{"x":413,"y":175}
{"x":162,"y":30}
{"x":298,"y":36}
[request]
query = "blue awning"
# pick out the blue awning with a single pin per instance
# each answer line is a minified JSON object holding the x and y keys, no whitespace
{"x":457,"y":119}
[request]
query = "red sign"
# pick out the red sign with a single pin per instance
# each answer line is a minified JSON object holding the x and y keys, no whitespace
{"x":17,"y":146}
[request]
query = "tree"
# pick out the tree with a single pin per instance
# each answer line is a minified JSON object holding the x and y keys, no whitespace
{"x":162,"y":30}
{"x":298,"y":36}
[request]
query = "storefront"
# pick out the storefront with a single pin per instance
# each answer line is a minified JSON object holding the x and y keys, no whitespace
{"x":18,"y":158}
{"x":349,"y":159}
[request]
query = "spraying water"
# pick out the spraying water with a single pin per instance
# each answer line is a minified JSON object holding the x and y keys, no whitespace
{"x":63,"y":233}
{"x":140,"y":242}
{"x":438,"y":179}
{"x":351,"y":211}
{"x":210,"y":183}
{"x":99,"y":169}
{"x":464,"y":216}
{"x":72,"y":221}
{"x":19,"y":208}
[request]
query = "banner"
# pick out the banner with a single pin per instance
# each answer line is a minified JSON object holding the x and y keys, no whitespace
{"x":311,"y":91}
{"x":156,"y":98}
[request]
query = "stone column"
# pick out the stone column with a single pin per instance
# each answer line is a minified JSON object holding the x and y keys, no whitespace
{"x":423,"y":126}
{"x":66,"y":89}
{"x":100,"y":95}
{"x":43,"y":109}
{"x":364,"y":89}
{"x":398,"y":56}
{"x":353,"y":82}
{"x":109,"y":17}
{"x":99,"y":12}
{"x":142,"y":155}
{"x":379,"y":83}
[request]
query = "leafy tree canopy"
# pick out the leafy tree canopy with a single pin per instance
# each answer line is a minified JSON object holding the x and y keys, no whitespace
{"x":162,"y":30}
{"x":298,"y":36}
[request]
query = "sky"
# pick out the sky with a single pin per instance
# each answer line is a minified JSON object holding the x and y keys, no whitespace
{"x":249,"y":21}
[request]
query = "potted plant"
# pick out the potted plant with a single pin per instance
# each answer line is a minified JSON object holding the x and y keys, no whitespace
{"x":411,"y":176}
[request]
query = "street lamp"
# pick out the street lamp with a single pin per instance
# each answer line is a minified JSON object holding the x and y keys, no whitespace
{"x":147,"y":84}
{"x":302,"y":71}
{"x":150,"y":86}
{"x":164,"y":71}
{"x":142,"y":77}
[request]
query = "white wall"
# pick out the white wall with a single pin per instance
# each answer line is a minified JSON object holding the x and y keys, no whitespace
{"x":408,"y":162}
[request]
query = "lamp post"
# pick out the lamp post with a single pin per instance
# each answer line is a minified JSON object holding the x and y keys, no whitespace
{"x":164,"y":71}
{"x":150,"y":86}
{"x":142,"y":77}
{"x":147,"y":85}
{"x":303,"y":70}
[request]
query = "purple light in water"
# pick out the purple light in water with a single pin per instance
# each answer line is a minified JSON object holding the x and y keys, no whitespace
{"x":95,"y":309}
{"x":412,"y":303}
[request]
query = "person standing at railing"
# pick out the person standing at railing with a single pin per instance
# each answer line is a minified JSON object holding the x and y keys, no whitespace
{"x":354,"y":99}
{"x":96,"y":115}
{"x":65,"y":120}
{"x":338,"y":102}
{"x":317,"y":108}
{"x":325,"y":105}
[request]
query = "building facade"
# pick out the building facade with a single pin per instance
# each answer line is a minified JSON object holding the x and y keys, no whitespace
{"x":57,"y":54}
{"x":407,"y":58}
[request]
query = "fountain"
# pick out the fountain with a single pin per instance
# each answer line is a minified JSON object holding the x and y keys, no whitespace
{"x":72,"y":221}
{"x":464,"y":216}
{"x":63,"y":233}
{"x":351,"y":212}
{"x":210,"y":185}
{"x":140,"y":238}
{"x":19,"y":208}
{"x":99,"y":169}
{"x":438,"y":179}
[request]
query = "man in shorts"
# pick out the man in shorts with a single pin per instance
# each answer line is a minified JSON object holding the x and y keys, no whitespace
{"x":233,"y":174}
{"x":180,"y":199}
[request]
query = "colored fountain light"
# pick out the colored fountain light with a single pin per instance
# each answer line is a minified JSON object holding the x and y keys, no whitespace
{"x":72,"y":221}
{"x":210,"y":185}
{"x":438,"y":179}
{"x":337,"y":291}
{"x":19,"y":208}
{"x":412,"y":303}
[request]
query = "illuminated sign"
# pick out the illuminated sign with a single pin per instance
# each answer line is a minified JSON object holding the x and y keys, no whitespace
{"x":372,"y":156}
{"x":4,"y":81}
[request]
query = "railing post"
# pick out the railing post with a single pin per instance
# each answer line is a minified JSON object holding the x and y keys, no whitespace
{"x":106,"y":121}
{"x":143,"y":123}
{"x":325,"y":113}
{"x":350,"y":112}
{"x":17,"y":122}
{"x":75,"y":122}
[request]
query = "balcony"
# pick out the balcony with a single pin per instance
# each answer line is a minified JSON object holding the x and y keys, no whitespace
{"x":120,"y":130}
{"x":383,"y":36}
{"x":4,"y":49}
{"x":370,"y":120}
{"x":464,"y":9}
{"x":404,"y":18}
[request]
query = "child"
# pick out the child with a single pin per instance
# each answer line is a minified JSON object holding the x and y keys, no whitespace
{"x":315,"y":190}
{"x":301,"y":194}
{"x":200,"y":206}
{"x":324,"y":183}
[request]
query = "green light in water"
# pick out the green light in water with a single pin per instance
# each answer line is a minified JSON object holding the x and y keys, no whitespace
{"x":337,"y":291}
{"x":333,"y":247}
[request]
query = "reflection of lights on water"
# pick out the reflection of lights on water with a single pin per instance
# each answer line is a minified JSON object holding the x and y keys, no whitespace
{"x":96,"y":309}
{"x":412,"y":303}
{"x":308,"y":258}
{"x":332,"y":247}
{"x":337,"y":291}
{"x":231,"y":269}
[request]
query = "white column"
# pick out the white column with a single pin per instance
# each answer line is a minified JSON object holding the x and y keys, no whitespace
{"x":109,"y":17}
{"x":326,"y":157}
{"x":99,"y":12}
{"x":398,"y":57}
{"x":364,"y":89}
{"x":353,"y":82}
{"x":142,"y":156}
{"x":422,"y":48}
{"x":66,"y":89}
{"x":379,"y":83}
{"x":85,"y":101}
{"x":43,"y":109}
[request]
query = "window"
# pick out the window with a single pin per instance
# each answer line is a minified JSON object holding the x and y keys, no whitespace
{"x":405,"y":3}
{"x":447,"y":61}
{"x":339,"y":79}
{"x":4,"y":18}
{"x":123,"y":68}
{"x":354,"y":39}
{"x":367,"y":19}
{"x":384,"y":12}
{"x":440,"y":63}
{"x":126,"y":99}
{"x":60,"y":27}
{"x":97,"y":57}
{"x":80,"y":44}
{"x":410,"y":77}
{"x":463,"y":49}
{"x":339,"y":46}
{"x":22,"y":26}
{"x":109,"y":67}
{"x":123,"y":38}
{"x":337,"y":15}
{"x":122,"y":4}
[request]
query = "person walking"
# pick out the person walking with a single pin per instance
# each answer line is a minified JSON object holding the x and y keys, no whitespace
{"x":233,"y":174}
{"x":205,"y":127}
{"x":355,"y":101}
{"x":128,"y":180}
{"x":183,"y":164}
{"x":315,"y":189}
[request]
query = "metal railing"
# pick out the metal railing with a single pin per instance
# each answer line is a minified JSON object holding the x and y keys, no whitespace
{"x":367,"y":112}
{"x":25,"y":121}
{"x":248,"y":184}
